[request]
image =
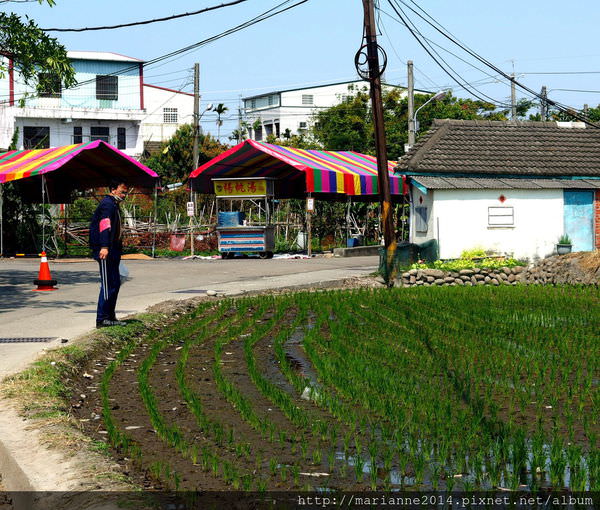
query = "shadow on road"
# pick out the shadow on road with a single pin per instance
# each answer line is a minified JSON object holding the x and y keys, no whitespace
{"x":16,"y":288}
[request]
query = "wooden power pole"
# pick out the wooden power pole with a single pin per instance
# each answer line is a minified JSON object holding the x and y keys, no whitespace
{"x":195,"y":150}
{"x":374,"y":76}
{"x":195,"y":156}
{"x":411,"y":104}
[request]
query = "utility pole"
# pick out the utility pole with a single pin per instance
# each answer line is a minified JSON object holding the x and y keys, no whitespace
{"x":196,"y":114}
{"x":544,"y":104}
{"x":513,"y":98}
{"x":195,"y":153}
{"x":411,"y":105}
{"x":374,"y":76}
{"x":240,"y":133}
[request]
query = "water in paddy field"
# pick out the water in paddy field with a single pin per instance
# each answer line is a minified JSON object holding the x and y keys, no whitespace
{"x":296,"y":357}
{"x":525,"y":479}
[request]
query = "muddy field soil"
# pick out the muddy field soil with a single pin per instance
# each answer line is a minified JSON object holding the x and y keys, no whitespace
{"x":251,"y":450}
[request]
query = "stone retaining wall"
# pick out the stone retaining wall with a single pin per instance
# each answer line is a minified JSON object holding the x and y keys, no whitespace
{"x":575,"y":268}
{"x":465,"y":277}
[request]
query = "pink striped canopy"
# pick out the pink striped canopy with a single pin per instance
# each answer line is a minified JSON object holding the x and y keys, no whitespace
{"x":298,"y":171}
{"x":80,"y":166}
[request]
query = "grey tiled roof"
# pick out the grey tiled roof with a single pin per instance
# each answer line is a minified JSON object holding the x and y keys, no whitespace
{"x":503,"y":183}
{"x":482,"y":148}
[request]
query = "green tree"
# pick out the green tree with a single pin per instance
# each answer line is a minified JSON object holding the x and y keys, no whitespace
{"x":39,"y":59}
{"x":174,"y":160}
{"x":220,"y":110}
{"x":349,"y":125}
{"x":240,"y":133}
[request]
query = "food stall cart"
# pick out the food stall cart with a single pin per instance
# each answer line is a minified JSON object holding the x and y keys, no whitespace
{"x":235,"y":233}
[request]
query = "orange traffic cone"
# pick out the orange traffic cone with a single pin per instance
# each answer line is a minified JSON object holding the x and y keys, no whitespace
{"x":44,"y":281}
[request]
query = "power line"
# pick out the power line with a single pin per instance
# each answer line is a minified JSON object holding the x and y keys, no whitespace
{"x":436,"y":25}
{"x":579,"y":90}
{"x":145,"y":22}
{"x":430,"y":51}
{"x":257,"y":19}
{"x":565,"y":72}
{"x":379,"y":21}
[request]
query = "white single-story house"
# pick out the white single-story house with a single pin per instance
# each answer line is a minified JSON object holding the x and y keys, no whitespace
{"x":511,"y":187}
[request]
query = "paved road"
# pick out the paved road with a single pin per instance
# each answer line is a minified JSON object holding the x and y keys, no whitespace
{"x":70,"y":311}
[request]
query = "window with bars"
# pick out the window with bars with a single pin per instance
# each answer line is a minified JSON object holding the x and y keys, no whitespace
{"x":170,"y":115}
{"x":121,"y":138}
{"x":107,"y":87}
{"x":35,"y":137}
{"x":308,"y":99}
{"x":49,"y":85}
{"x":100,"y":133}
{"x":77,"y":134}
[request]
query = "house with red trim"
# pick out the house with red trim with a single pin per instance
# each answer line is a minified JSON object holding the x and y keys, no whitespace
{"x":166,"y":110}
{"x":108,"y":103}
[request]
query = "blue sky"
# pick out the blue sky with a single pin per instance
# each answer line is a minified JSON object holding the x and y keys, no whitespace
{"x":315,"y":43}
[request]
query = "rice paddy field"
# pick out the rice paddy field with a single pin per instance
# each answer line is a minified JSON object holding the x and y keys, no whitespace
{"x":443,"y":388}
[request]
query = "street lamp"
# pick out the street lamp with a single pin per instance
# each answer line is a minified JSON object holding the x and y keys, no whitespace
{"x":208,"y":108}
{"x":437,"y":97}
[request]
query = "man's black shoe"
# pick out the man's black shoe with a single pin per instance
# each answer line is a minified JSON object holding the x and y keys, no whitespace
{"x":106,"y":323}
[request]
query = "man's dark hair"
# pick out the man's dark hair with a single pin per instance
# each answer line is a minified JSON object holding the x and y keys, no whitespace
{"x":114,"y":184}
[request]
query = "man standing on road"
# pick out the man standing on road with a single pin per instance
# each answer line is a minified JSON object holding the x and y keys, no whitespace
{"x":107,"y":245}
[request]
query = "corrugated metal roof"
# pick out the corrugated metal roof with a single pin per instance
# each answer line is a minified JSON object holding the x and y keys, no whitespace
{"x":504,"y":183}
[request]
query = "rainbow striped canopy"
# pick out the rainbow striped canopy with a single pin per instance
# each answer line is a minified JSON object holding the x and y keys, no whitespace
{"x":79,"y":166}
{"x":298,"y":171}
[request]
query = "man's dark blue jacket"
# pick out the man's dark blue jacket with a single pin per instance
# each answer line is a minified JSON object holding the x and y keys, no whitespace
{"x":105,"y":227}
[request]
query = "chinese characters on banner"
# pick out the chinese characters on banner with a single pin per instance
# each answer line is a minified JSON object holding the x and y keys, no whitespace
{"x":240,"y":187}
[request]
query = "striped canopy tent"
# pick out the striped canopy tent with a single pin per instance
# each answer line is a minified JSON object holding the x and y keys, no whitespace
{"x":329,"y":174}
{"x":73,"y":167}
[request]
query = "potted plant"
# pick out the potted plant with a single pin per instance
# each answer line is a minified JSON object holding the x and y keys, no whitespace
{"x":564,"y":245}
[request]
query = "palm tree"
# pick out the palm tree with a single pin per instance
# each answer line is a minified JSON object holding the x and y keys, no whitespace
{"x":220,"y":109}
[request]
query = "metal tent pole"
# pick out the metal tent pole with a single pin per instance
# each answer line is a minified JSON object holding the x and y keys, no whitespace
{"x":1,"y":221}
{"x":43,"y":214}
{"x":348,"y":206}
{"x":154,"y":222}
{"x":309,"y":230}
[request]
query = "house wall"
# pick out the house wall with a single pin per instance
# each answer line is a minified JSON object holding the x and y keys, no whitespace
{"x":154,"y":129}
{"x":78,"y":107}
{"x":84,"y":96}
{"x":287,"y":109}
{"x":597,"y":220}
{"x":462,"y":217}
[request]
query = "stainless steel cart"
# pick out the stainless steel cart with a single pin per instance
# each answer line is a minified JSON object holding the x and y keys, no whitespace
{"x":235,"y":233}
